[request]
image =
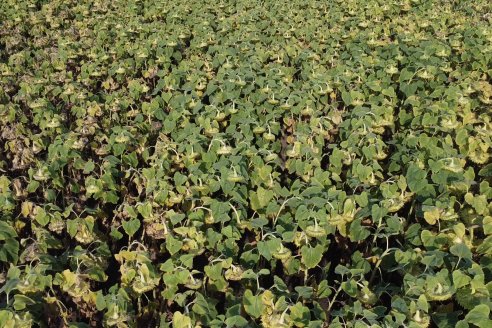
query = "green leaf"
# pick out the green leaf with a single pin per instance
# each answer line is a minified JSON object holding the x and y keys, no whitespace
{"x":145,"y":210}
{"x":374,"y":85}
{"x":479,"y":316}
{"x":405,"y":75}
{"x":300,"y":315}
{"x":460,"y":279}
{"x":304,"y":291}
{"x":461,"y":137}
{"x":462,"y":324}
{"x":9,"y":251}
{"x":416,"y":178}
{"x":9,"y":285}
{"x":89,"y":167}
{"x":487,"y":225}
{"x":72,"y":227}
{"x":350,"y":287}
{"x":236,"y":321}
{"x":21,"y":301}
{"x":260,"y":198}
{"x":311,"y":256}
{"x":100,"y":301}
{"x":173,"y":245}
{"x":323,"y":289}
{"x":461,"y":250}
{"x":6,"y":231}
{"x":267,"y":248}
{"x":115,"y":234}
{"x":42,"y":217}
{"x":252,"y":304}
{"x":357,"y":231}
{"x":131,"y":226}
{"x":486,"y":171}
{"x":446,"y":319}
{"x":480,"y":204}
{"x":346,"y":97}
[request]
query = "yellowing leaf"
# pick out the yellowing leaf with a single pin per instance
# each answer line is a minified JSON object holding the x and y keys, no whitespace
{"x":432,"y":216}
{"x":180,"y":320}
{"x":26,"y":208}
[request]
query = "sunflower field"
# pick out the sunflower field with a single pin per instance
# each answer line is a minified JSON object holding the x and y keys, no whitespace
{"x":246,"y":163}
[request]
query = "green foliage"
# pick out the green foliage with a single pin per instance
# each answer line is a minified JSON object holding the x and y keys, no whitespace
{"x":245,"y":163}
